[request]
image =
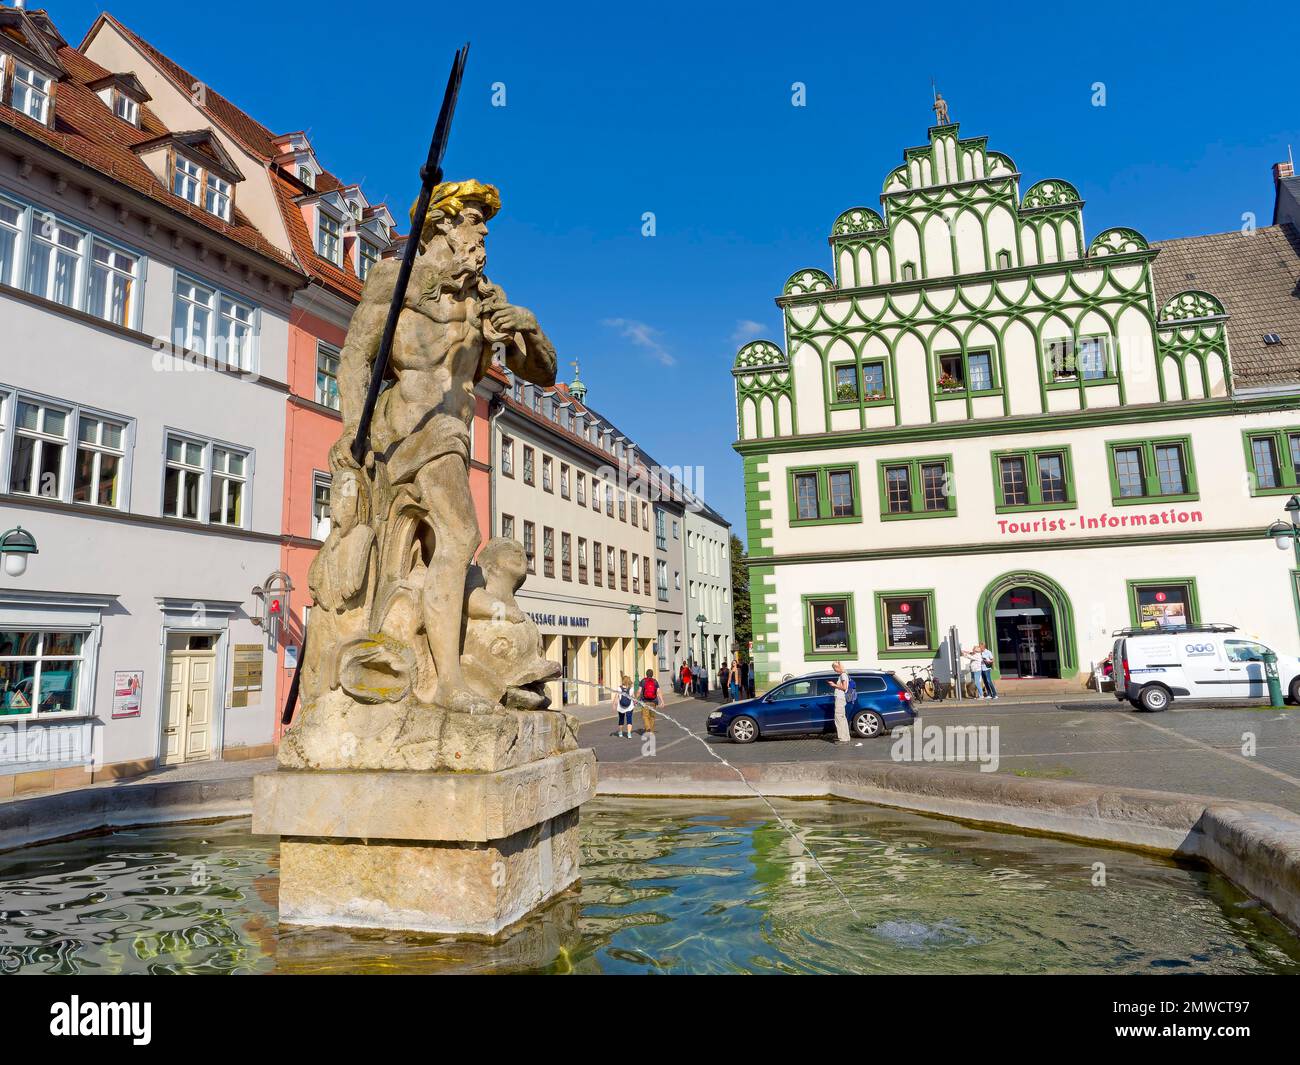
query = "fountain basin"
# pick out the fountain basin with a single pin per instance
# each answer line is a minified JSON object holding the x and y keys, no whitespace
{"x":669,"y":885}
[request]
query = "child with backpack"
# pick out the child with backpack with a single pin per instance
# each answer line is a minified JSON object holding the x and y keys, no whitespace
{"x":650,"y":698}
{"x":622,"y":703}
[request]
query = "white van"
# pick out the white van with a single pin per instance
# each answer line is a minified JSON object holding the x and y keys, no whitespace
{"x":1153,"y":667}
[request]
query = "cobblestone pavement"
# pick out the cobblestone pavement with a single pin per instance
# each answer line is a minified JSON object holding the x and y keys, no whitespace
{"x":1092,"y":738}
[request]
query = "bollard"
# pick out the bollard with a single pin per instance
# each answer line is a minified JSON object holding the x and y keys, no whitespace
{"x":1270,"y":674}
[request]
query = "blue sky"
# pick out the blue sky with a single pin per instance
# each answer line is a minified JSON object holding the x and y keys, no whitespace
{"x":684,"y":110}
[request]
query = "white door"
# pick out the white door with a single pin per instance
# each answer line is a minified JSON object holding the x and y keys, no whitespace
{"x":191,"y":680}
{"x":1245,"y":659}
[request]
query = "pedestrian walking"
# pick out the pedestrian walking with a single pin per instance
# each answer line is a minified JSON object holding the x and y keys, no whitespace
{"x":987,"y":658}
{"x":975,"y":663}
{"x":733,"y":679}
{"x":840,"y":686}
{"x":723,"y":676}
{"x":749,"y":675}
{"x":686,"y":679}
{"x":622,"y":703}
{"x":650,"y":698}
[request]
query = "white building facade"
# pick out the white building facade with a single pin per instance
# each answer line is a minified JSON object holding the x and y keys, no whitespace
{"x":984,"y":419}
{"x":708,"y":589}
{"x":561,"y":487}
{"x":142,"y":358}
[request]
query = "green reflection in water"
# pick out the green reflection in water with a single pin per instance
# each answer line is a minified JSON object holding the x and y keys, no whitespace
{"x":668,"y":886}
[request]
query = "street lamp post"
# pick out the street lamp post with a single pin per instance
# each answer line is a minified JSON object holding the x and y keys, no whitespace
{"x":1286,"y":533}
{"x":635,"y":612}
{"x":15,"y":546}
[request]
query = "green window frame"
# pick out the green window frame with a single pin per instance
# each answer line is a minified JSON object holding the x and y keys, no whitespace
{"x":1281,"y":448}
{"x":1035,"y":489}
{"x":853,"y":375}
{"x":1066,"y":359}
{"x":1146,"y":462}
{"x":888,"y":605}
{"x":916,"y":488}
{"x":956,"y":364}
{"x":810,"y":603}
{"x":1155,"y":587}
{"x":821,"y":489}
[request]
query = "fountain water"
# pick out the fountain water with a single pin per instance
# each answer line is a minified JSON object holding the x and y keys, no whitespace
{"x":659,"y":712}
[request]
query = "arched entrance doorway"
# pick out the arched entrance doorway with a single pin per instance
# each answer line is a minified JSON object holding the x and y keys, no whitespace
{"x":1028,"y":622}
{"x":1024,"y":626}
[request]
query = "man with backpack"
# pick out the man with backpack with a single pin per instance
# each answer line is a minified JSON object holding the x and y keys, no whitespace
{"x":650,"y":698}
{"x":844,"y":690}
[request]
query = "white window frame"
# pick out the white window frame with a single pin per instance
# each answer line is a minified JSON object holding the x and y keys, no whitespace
{"x":52,"y":234}
{"x":332,"y":254}
{"x":224,"y":478}
{"x":41,"y":438}
{"x":187,"y":179}
{"x":366,"y":263}
{"x":37,"y":91}
{"x":98,"y":449}
{"x":127,"y":109}
{"x":9,"y":273}
{"x":221,"y":326}
{"x":113,"y":268}
{"x":207,"y":474}
{"x":218,"y":195}
{"x":29,"y":227}
{"x":320,"y":482}
{"x":11,"y":396}
{"x":85,"y":672}
{"x":194,"y":182}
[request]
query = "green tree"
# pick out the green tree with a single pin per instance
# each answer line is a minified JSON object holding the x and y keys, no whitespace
{"x":742,"y":622}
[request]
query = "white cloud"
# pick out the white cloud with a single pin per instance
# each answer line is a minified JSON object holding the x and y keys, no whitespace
{"x":643,"y":336}
{"x":747,"y":330}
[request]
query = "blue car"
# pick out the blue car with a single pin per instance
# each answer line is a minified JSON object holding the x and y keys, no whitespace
{"x":807,"y":705}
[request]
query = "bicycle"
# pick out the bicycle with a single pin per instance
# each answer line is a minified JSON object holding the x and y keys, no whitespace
{"x":916,"y":684}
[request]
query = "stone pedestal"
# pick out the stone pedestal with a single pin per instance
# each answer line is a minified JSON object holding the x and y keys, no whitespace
{"x":433,"y":850}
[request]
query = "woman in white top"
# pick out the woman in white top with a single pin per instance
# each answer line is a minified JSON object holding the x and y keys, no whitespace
{"x":975,"y":661}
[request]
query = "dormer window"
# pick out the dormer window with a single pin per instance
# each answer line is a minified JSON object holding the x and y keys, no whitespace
{"x":306,"y":176}
{"x":122,"y":94}
{"x":201,"y":187}
{"x":187,"y":179}
{"x":329,"y":237}
{"x":125,"y":108}
{"x":367,"y":258}
{"x":217,"y":198}
{"x":31,"y":93}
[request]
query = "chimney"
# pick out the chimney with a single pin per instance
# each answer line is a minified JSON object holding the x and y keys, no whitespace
{"x":1281,"y":171}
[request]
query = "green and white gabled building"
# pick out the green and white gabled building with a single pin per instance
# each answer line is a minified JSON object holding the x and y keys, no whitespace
{"x":983,"y":417}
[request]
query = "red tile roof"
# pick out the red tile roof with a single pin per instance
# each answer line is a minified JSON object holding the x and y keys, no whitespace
{"x":1255,"y":274}
{"x":86,"y":131}
{"x":262,"y":143}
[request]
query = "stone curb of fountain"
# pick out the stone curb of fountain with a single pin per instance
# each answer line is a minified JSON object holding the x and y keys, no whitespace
{"x":1255,"y":845}
{"x":42,"y":818}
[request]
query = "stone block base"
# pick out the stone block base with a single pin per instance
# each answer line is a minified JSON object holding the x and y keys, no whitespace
{"x":458,"y":853}
{"x":449,"y":887}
